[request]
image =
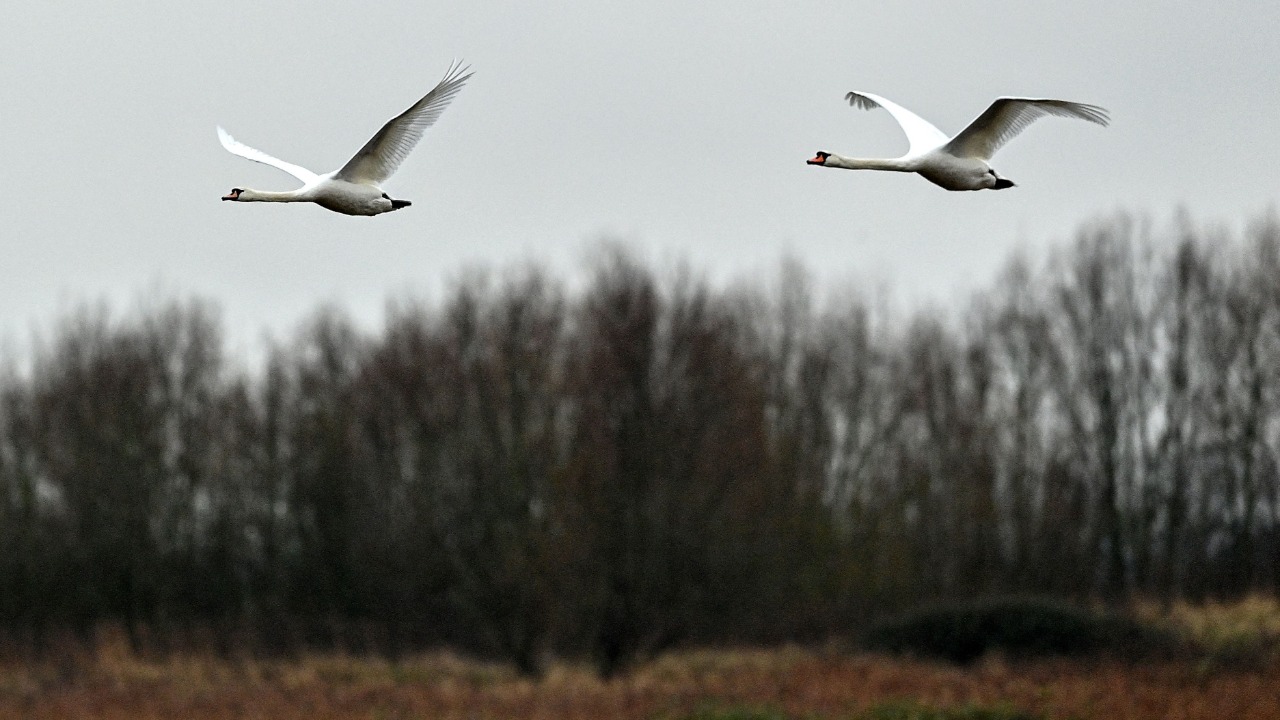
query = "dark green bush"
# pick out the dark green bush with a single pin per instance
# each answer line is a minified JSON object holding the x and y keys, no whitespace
{"x":1019,"y":627}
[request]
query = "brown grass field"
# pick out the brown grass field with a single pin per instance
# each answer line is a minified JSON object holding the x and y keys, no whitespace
{"x":110,"y":683}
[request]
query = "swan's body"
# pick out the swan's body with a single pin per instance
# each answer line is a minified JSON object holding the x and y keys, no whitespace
{"x":355,"y":188}
{"x":960,"y":162}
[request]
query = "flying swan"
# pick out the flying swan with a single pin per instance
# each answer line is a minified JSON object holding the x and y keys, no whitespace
{"x":354,"y":189}
{"x":958,"y":163}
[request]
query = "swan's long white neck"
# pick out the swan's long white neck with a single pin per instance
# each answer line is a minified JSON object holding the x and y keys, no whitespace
{"x":851,"y":163}
{"x":268,"y":196}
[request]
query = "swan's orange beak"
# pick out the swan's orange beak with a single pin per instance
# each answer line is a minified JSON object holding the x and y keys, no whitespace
{"x":819,"y":159}
{"x":233,"y":195}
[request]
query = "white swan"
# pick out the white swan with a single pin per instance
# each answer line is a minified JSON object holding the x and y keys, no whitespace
{"x":354,"y":188}
{"x":960,"y":162}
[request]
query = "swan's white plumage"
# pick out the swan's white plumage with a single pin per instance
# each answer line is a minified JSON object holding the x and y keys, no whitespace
{"x":1009,"y":116}
{"x":235,"y":147}
{"x":922,"y":136}
{"x":355,"y":188}
{"x":960,"y":162}
{"x":382,"y":155}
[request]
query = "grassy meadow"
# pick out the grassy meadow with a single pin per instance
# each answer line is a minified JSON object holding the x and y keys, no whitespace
{"x":1235,"y":674}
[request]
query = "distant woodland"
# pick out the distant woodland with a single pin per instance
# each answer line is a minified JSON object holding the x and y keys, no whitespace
{"x":524,"y":470}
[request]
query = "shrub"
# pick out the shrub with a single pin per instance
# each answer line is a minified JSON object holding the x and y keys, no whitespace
{"x":1020,"y":627}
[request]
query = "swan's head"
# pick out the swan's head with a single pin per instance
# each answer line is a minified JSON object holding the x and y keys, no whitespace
{"x":819,"y":159}
{"x":233,"y":195}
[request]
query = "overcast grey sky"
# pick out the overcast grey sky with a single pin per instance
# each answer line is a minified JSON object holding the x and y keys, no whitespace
{"x":681,"y":128}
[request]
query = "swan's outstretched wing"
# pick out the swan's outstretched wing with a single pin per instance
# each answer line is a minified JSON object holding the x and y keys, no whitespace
{"x":1009,"y":116}
{"x":236,"y":147}
{"x":384,"y":152}
{"x":921,"y":135}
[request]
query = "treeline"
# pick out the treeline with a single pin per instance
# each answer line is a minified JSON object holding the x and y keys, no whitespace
{"x":520,"y":469}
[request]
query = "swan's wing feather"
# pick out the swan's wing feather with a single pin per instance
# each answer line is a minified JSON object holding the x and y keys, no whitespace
{"x":921,"y":134}
{"x":384,"y":152}
{"x":236,"y":147}
{"x":1009,"y":116}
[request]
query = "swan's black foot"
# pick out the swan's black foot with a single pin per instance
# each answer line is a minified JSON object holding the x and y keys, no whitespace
{"x":397,"y":204}
{"x":1001,"y":184}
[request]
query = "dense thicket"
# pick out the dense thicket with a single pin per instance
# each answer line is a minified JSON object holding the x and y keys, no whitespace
{"x":520,"y":469}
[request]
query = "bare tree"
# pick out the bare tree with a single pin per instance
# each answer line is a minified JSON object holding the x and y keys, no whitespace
{"x":1184,"y":322}
{"x":503,"y":356}
{"x":326,"y":493}
{"x":1102,"y":375}
{"x":519,"y":469}
{"x":120,"y":429}
{"x":1039,"y":551}
{"x":669,"y":450}
{"x":1240,"y":350}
